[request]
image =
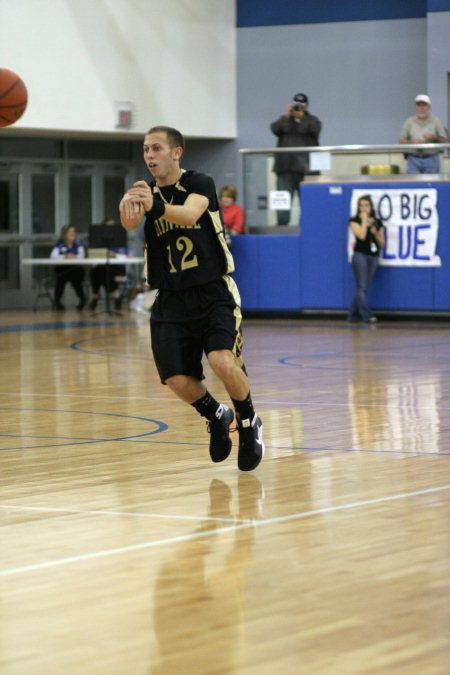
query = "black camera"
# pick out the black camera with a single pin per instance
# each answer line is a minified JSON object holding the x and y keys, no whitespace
{"x":298,"y":106}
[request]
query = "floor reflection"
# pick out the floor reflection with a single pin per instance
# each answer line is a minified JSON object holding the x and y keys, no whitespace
{"x":393,"y":408}
{"x":199,"y":587}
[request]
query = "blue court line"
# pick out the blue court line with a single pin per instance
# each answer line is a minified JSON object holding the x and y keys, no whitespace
{"x":342,"y":324}
{"x":202,"y":444}
{"x":128,"y":357}
{"x":302,"y":449}
{"x":60,"y":325}
{"x":297,"y":324}
{"x":160,"y":427}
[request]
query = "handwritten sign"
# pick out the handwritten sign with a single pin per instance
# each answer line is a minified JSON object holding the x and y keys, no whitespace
{"x":279,"y":200}
{"x":411,"y":221}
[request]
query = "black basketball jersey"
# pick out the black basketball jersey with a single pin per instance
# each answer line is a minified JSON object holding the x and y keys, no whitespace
{"x":177,"y":256}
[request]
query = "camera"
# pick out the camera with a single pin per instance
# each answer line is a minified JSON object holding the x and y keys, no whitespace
{"x":298,"y":106}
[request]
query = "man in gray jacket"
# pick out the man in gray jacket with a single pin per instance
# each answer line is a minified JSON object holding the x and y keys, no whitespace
{"x":296,"y":129}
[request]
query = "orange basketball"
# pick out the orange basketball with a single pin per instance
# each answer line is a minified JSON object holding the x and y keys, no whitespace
{"x":13,"y":97}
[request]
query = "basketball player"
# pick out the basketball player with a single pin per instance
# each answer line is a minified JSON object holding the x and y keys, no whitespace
{"x":197,"y":308}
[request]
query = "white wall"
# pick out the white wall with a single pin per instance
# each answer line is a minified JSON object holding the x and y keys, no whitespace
{"x":361,"y":78}
{"x":174,"y":60}
{"x":438,"y":63}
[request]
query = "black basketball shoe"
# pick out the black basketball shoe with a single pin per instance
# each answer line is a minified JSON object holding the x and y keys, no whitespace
{"x":251,"y":446}
{"x":219,"y":428}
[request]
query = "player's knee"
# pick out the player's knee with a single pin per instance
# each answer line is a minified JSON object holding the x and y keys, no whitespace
{"x":177,"y":384}
{"x":222,"y":363}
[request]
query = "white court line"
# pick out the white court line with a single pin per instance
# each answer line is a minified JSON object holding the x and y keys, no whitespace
{"x":220,"y":530}
{"x":126,"y":514}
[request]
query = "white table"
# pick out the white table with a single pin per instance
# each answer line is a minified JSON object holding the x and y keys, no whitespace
{"x":43,"y":289}
{"x":118,"y":260}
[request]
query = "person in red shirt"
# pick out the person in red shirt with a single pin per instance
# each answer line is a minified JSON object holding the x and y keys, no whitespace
{"x":232,"y":214}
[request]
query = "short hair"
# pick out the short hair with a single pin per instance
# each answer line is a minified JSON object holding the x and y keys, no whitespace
{"x":174,"y":137}
{"x":228,"y":191}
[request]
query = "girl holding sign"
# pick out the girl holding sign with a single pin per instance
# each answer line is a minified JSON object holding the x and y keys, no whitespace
{"x":369,"y":235}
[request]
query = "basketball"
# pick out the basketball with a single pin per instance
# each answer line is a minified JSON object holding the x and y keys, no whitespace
{"x":13,"y":97}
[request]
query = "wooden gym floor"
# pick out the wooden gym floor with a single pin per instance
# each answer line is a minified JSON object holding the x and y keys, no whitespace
{"x":124,"y":550}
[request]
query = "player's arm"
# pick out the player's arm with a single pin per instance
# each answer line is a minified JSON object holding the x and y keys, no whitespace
{"x":189,"y":213}
{"x":139,"y":200}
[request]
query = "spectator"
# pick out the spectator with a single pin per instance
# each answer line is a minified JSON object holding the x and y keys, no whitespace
{"x":297,"y":128}
{"x":232,"y":214}
{"x":423,"y":127}
{"x":369,"y":233}
{"x":67,"y":247}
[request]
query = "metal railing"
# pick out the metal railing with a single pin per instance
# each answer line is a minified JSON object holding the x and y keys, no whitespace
{"x":332,"y":163}
{"x":349,"y":149}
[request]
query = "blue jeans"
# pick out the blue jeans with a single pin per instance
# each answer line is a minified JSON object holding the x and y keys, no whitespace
{"x":429,"y":164}
{"x":290,"y":182}
{"x":364,"y":268}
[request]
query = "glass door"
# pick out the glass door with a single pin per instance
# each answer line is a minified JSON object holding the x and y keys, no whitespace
{"x":36,"y":199}
{"x":11,"y":238}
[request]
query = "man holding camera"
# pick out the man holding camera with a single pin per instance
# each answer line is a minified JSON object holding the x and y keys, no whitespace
{"x":297,"y":128}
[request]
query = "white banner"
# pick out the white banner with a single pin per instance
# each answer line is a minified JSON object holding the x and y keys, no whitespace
{"x":411,"y":222}
{"x":279,"y":200}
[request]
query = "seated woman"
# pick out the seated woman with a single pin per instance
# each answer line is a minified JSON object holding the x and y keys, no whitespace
{"x":68,"y":247}
{"x":107,"y":276}
{"x":232,"y":214}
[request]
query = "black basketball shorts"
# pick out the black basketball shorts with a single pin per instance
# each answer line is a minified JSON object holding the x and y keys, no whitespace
{"x":186,"y":324}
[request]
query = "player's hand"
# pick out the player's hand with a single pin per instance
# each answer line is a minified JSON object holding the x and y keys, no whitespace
{"x":131,"y":212}
{"x":130,"y":206}
{"x":141,"y":192}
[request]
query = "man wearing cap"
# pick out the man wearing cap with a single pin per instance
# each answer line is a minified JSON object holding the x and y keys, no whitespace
{"x":423,"y":127}
{"x":297,"y":128}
